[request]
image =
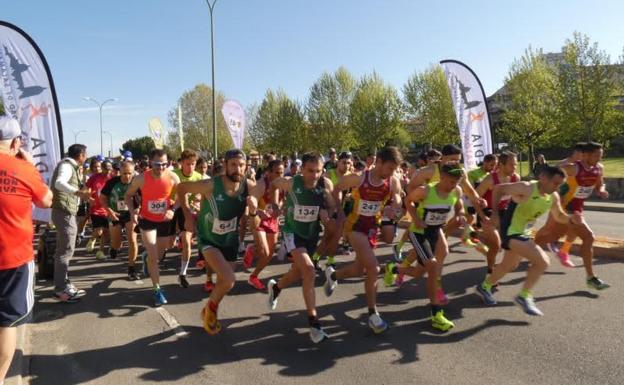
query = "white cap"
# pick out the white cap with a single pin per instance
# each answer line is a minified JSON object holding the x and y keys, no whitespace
{"x":9,"y":128}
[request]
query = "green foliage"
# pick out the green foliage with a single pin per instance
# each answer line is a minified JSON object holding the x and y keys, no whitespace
{"x":376,"y":114}
{"x":531,"y":117}
{"x":139,"y":146}
{"x":197,"y":121}
{"x":1,"y":108}
{"x":588,"y":92}
{"x":328,"y":110}
{"x":429,"y":108}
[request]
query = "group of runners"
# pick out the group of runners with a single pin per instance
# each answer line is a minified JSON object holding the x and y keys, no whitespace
{"x":324,"y":206}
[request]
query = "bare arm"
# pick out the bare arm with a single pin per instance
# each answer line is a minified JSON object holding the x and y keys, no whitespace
{"x":600,"y":185}
{"x":46,"y":201}
{"x":135,"y":185}
{"x":415,"y":196}
{"x":557,"y":211}
{"x":421,"y":177}
{"x":347,"y":182}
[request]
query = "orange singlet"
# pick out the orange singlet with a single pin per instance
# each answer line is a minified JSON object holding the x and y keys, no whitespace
{"x":155,"y":196}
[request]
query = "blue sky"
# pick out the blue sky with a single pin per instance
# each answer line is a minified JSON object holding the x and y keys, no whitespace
{"x":147,"y":53}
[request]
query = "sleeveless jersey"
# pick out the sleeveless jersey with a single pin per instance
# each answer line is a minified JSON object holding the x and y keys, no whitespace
{"x":504,"y":202}
{"x":217,"y":221}
{"x":475,"y":177}
{"x":436,"y":174}
{"x":194,"y":177}
{"x":523,"y":215}
{"x":302,"y":209}
{"x":156,"y":196}
{"x":368,"y":202}
{"x":116,"y":197}
{"x":434,"y":210}
{"x":580,"y":186}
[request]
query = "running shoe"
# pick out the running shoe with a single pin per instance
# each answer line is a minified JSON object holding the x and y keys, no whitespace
{"x":271,"y":301}
{"x":597,"y":284}
{"x":132,"y":274}
{"x":466,"y":233}
{"x":553,"y":247}
{"x":330,"y":284}
{"x":481,"y":247}
{"x":211,"y":325}
{"x":486,"y":295}
{"x":528,"y":305}
{"x":389,"y":276}
{"x":256,"y":283}
{"x":74,"y":290}
{"x":91,"y":245}
{"x":100,"y":255}
{"x":440,"y":322}
{"x":377,"y":324}
{"x":66,"y":296}
{"x":317,"y":334}
{"x":183,"y":281}
{"x":249,"y":254}
{"x":208,"y":286}
{"x":331,"y":261}
{"x":159,"y":297}
{"x":400,"y":278}
{"x":564,"y":258}
{"x":398,"y":254}
{"x":441,"y":297}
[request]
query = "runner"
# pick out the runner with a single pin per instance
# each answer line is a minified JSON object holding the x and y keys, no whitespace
{"x":266,"y":233}
{"x":529,"y":201}
{"x":155,"y":218}
{"x":98,"y":214}
{"x":112,"y":200}
{"x":223,"y":203}
{"x":308,"y":203}
{"x":332,"y":234}
{"x":434,"y":203}
{"x":505,"y":173}
{"x":370,"y":192}
{"x":584,"y":176}
{"x":186,"y":173}
{"x":475,"y":177}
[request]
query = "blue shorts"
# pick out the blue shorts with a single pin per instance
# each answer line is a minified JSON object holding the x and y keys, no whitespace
{"x":17,"y":295}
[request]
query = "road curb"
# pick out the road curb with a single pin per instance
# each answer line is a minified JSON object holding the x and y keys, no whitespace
{"x":605,"y":209}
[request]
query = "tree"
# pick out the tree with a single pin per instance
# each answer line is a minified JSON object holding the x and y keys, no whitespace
{"x":429,"y":107}
{"x":1,"y":108}
{"x":588,"y":91}
{"x":197,"y":121}
{"x":279,"y":125}
{"x":375,"y":115}
{"x":328,"y":109}
{"x":139,"y":146}
{"x":530,"y":119}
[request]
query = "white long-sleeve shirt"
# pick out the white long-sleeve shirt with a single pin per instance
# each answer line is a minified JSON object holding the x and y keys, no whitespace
{"x":64,"y":175}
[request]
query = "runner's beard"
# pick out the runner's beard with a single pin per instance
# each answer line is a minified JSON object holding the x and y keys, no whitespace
{"x":236,"y":178}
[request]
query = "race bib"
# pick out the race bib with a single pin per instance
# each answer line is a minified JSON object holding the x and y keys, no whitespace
{"x":122,"y":206}
{"x":583,"y":192}
{"x":306,"y":214}
{"x":157,"y":207}
{"x":369,"y":208}
{"x":435,"y":218}
{"x":223,"y":227}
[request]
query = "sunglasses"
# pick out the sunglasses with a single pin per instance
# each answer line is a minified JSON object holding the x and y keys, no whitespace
{"x":159,"y":164}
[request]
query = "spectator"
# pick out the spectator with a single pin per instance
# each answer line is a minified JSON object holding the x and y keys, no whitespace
{"x":65,"y":184}
{"x":540,"y":164}
{"x":25,"y":187}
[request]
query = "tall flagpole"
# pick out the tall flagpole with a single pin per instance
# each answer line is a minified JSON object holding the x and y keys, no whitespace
{"x":214,"y":105}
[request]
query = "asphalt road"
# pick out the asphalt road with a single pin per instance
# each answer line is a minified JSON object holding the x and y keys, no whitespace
{"x":114,"y":337}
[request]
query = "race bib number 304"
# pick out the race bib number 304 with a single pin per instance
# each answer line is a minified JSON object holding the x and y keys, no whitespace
{"x":306,"y":214}
{"x":223,"y":227}
{"x":369,"y":208}
{"x":157,"y":207}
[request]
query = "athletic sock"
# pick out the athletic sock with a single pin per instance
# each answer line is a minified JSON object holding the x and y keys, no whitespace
{"x":316,"y":257}
{"x":487,"y":285}
{"x":156,"y":286}
{"x":565,"y":248}
{"x":331,"y":260}
{"x":395,"y":269}
{"x":371,"y":311}
{"x":213,"y":306}
{"x":400,"y":244}
{"x":184,"y":266}
{"x":525,"y":293}
{"x":314,"y":322}
{"x":435,"y":309}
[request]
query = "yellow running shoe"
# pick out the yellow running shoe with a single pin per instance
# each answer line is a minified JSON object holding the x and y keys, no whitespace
{"x":439,"y":321}
{"x":211,"y":325}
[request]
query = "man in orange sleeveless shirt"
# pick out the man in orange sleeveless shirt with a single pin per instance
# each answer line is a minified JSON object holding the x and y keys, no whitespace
{"x":155,"y":218}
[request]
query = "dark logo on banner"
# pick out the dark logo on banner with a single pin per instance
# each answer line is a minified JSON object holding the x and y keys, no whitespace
{"x":17,"y":70}
{"x":464,"y":90}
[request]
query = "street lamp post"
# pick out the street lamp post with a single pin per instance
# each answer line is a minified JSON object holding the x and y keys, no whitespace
{"x":100,"y":105}
{"x":76,"y":133}
{"x":110,"y":152}
{"x":214,"y":107}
